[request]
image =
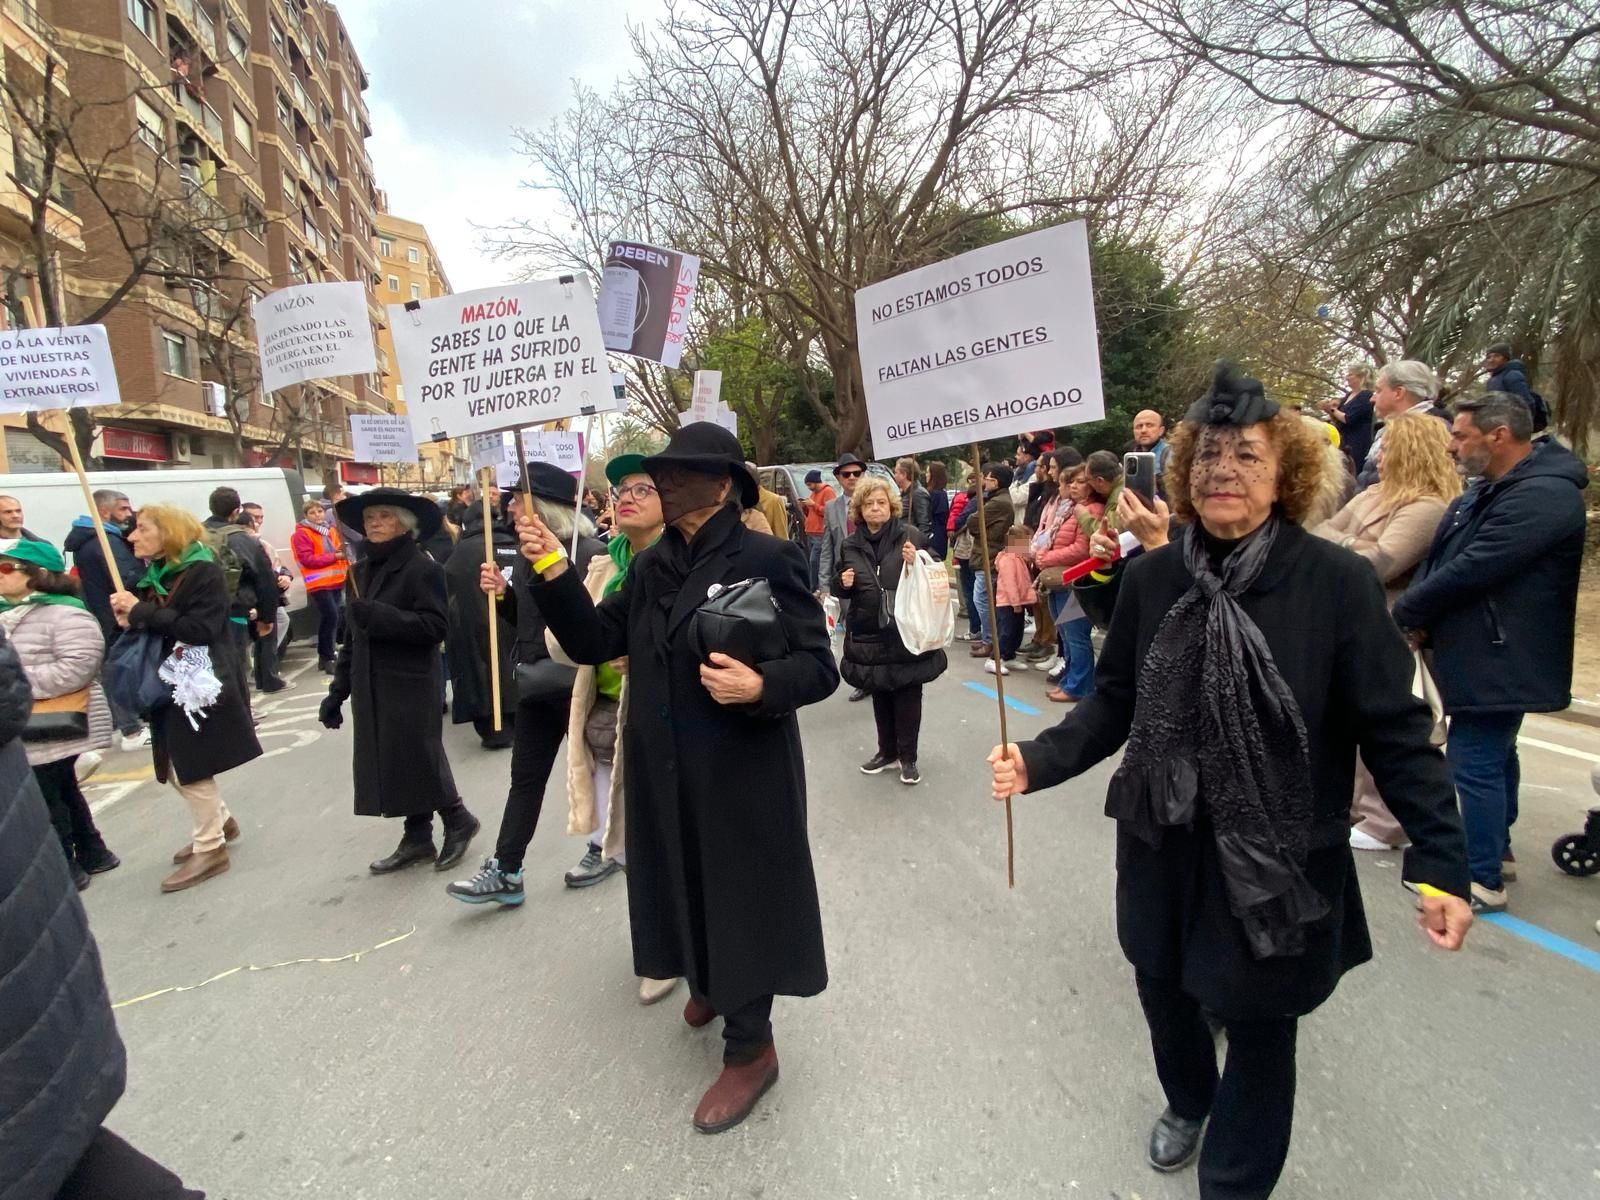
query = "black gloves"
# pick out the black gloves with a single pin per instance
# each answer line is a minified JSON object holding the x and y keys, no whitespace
{"x":329,"y":713}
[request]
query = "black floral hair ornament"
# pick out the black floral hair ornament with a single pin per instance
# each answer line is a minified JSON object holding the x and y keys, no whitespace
{"x":1234,"y":399}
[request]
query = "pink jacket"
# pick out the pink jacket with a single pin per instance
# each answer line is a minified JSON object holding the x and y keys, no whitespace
{"x":1013,"y":581}
{"x":1071,"y":544}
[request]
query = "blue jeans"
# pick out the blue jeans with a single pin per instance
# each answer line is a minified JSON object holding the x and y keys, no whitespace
{"x":1076,"y":648}
{"x":980,"y":604}
{"x":966,"y":576}
{"x":1483,"y":758}
{"x":814,"y":558}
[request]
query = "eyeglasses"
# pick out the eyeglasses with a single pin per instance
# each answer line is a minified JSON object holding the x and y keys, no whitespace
{"x":633,"y":491}
{"x":7,"y":567}
{"x":849,"y":474}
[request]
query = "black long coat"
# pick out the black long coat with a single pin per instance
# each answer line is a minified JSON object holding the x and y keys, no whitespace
{"x":720,"y":883}
{"x":388,"y":668}
{"x":468,"y":643}
{"x":195,"y":612}
{"x":874,"y":656}
{"x":1323,"y":614}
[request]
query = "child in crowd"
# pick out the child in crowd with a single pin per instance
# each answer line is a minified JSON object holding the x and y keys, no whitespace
{"x":1014,"y":594}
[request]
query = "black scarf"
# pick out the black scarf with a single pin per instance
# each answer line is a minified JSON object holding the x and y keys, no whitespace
{"x":1216,"y":728}
{"x":672,"y":560}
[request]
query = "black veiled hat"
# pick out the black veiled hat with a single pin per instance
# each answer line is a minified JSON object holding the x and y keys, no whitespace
{"x":1234,"y":399}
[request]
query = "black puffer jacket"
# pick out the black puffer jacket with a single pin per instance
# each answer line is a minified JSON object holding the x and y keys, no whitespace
{"x":62,"y":1066}
{"x":874,"y":656}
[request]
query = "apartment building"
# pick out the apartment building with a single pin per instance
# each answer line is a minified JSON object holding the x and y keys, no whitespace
{"x":245,"y":119}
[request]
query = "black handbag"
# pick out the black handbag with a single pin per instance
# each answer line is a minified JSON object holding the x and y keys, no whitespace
{"x":543,"y":679}
{"x":741,"y":620}
{"x":59,"y":719}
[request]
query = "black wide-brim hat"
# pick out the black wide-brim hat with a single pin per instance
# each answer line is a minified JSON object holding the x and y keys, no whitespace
{"x":709,"y":448}
{"x":549,"y":482}
{"x":352,"y":509}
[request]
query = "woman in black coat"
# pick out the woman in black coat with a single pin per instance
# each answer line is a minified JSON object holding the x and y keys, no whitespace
{"x":467,"y":646}
{"x":388,"y":668}
{"x":185,"y":600}
{"x":875,"y":659}
{"x":720,"y":883}
{"x":1245,"y":665}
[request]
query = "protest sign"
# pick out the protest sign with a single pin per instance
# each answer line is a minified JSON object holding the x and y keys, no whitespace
{"x":381,"y":439}
{"x":500,"y":357}
{"x":727,"y":418}
{"x":990,"y":343}
{"x":56,"y":368}
{"x":646,"y":296}
{"x":313,"y":331}
{"x":564,"y":450}
{"x":703,"y":400}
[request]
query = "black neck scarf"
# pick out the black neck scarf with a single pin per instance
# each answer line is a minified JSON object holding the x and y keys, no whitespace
{"x":1216,"y":730}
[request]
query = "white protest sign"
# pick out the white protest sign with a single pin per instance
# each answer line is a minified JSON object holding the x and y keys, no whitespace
{"x":313,"y":331}
{"x":703,"y":400}
{"x":564,"y":450}
{"x":56,"y":368}
{"x":490,"y":450}
{"x":993,"y":342}
{"x":381,"y":439}
{"x":727,"y":418}
{"x":501,"y":357}
{"x":646,"y":296}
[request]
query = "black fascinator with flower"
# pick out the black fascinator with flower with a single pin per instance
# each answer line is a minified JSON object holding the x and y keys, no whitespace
{"x":1234,"y":399}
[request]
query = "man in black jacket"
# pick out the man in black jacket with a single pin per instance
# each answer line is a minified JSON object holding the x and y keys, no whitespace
{"x":254,"y":609}
{"x":64,"y":1063}
{"x":1497,"y":600}
{"x":1507,"y":374}
{"x":114,"y":512}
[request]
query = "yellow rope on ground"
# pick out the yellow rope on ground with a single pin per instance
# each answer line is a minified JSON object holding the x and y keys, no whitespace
{"x":353,"y":956}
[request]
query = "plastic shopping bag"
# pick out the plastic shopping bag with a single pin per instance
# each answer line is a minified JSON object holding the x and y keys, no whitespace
{"x":923,"y":614}
{"x":830,"y":610}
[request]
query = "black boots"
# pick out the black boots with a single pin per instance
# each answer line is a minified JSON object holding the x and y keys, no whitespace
{"x":1174,"y":1142}
{"x":404,"y":855}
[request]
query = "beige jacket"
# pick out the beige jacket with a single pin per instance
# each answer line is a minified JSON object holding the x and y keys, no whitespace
{"x":1393,"y":542}
{"x":580,"y":762}
{"x":61,"y":651}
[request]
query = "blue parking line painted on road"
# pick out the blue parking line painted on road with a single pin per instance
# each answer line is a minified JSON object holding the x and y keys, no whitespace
{"x":1028,"y":709}
{"x":1544,"y":939}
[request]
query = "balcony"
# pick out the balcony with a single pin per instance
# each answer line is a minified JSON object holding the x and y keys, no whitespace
{"x":203,"y":202}
{"x":198,"y":22}
{"x":301,"y":99}
{"x":201,"y":114}
{"x":27,"y":172}
{"x":303,"y":160}
{"x":28,"y":17}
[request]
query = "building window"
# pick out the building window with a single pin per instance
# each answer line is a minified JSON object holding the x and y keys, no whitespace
{"x":416,"y":291}
{"x":322,"y":50}
{"x":238,"y":46}
{"x":143,"y":14}
{"x":385,"y":248}
{"x":243,"y":134}
{"x":325,"y":115}
{"x":255,"y":221}
{"x":412,"y":254}
{"x":175,"y":354}
{"x":277,"y":38}
{"x":152,"y":125}
{"x":285,"y":113}
{"x":291,"y":194}
{"x":394,"y":283}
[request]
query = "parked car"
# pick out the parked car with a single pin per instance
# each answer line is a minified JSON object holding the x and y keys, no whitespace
{"x":789,"y":481}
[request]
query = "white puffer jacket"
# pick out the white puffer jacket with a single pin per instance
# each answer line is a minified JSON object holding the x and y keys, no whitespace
{"x":61,"y":651}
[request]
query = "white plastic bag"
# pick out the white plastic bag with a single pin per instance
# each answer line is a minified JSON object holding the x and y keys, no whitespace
{"x":923,"y":614}
{"x":830,"y":610}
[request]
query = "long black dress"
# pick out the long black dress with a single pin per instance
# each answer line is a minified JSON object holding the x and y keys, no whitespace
{"x":720,"y":884}
{"x":468,"y":644}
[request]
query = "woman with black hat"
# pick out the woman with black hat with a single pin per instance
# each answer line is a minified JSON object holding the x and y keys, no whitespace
{"x":388,"y":668}
{"x":544,"y":693}
{"x":720,"y":883}
{"x":1236,"y":887}
{"x":467,"y":647}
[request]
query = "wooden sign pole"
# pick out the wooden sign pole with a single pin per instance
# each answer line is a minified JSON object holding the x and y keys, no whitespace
{"x":994,"y":647}
{"x":485,"y":479}
{"x":94,"y":513}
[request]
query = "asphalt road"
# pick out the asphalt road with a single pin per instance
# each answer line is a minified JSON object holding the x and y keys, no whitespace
{"x":974,"y":1041}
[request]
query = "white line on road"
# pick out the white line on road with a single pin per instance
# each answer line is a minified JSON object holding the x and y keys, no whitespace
{"x":1553,"y":748}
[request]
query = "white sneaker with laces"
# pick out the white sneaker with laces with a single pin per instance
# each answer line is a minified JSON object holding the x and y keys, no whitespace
{"x":1365,"y":841}
{"x":988,"y":666}
{"x":137,"y":741}
{"x":88,"y":763}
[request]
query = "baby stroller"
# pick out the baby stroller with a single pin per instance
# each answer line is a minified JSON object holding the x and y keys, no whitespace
{"x":1579,"y":853}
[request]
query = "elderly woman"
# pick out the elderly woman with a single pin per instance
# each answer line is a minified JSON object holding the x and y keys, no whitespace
{"x":1236,"y":887}
{"x":388,"y":668}
{"x":1400,"y":387}
{"x":59,"y":642}
{"x":319,"y":551}
{"x":185,"y":602}
{"x":875,"y":659}
{"x":720,"y":883}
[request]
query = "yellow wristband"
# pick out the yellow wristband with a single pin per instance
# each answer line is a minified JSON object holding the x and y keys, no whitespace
{"x":1427,"y":889}
{"x":548,"y":561}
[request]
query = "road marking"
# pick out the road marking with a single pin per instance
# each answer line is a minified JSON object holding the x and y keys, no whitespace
{"x":1026,"y":709}
{"x":1544,"y":939}
{"x":1554,"y":748}
{"x":145,"y":772}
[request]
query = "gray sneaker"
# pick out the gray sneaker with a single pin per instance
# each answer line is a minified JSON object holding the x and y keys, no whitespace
{"x":489,"y":886}
{"x":592,"y":868}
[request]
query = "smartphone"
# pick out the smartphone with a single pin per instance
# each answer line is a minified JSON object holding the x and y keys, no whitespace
{"x":1139,"y":476}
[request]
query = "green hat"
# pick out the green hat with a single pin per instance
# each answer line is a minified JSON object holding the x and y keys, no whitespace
{"x":620,"y":467}
{"x":40,"y":554}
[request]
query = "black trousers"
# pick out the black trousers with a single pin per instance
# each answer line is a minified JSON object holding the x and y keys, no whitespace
{"x":745,"y":1031}
{"x":1251,"y":1105}
{"x":110,"y":1169}
{"x":265,"y":649}
{"x":69,"y":811}
{"x":899,"y":718}
{"x":535,"y":741}
{"x":419,"y":826}
{"x":326,"y":602}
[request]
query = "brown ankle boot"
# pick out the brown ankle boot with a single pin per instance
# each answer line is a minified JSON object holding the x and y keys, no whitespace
{"x":697,"y":1013}
{"x":733,"y":1096}
{"x":197,"y":868}
{"x":230,"y":832}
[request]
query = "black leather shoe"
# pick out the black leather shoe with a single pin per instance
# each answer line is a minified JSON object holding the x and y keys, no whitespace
{"x":404,"y":855}
{"x":456,"y":842}
{"x":858,"y":694}
{"x":1174,"y":1142}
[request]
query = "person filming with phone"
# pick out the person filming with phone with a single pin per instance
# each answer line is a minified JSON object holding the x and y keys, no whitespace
{"x":1236,"y":887}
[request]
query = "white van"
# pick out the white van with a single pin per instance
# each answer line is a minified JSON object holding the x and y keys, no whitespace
{"x":51,"y":502}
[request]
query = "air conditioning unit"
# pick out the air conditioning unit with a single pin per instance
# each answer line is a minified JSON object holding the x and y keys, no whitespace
{"x":181,"y":447}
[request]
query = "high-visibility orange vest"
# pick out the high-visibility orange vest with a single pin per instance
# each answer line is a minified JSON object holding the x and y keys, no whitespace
{"x":320,"y":579}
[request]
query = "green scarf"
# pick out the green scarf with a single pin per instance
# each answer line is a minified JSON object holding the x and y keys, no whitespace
{"x":161,"y":570}
{"x":42,"y":598}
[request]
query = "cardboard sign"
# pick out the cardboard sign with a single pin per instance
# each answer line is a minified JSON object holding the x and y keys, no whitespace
{"x":646,"y":296}
{"x":500,"y":358}
{"x":313,"y":331}
{"x":375,"y":439}
{"x":564,"y":450}
{"x":56,"y":368}
{"x":988,"y":344}
{"x":703,"y":403}
{"x":727,"y":418}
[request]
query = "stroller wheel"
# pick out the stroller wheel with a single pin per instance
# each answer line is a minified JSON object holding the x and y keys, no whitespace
{"x":1575,"y":855}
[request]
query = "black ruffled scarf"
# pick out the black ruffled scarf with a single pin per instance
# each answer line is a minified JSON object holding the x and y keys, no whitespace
{"x":1215,"y":726}
{"x":672,"y":560}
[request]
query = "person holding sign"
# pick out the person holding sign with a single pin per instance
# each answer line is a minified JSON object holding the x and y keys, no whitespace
{"x":1236,"y":887}
{"x":467,"y":648}
{"x":720,"y":883}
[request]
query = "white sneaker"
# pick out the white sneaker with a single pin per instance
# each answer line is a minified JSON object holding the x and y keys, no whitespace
{"x":139,"y":741}
{"x":88,"y":763}
{"x":988,"y":665}
{"x":1365,"y":841}
{"x":1048,"y":665}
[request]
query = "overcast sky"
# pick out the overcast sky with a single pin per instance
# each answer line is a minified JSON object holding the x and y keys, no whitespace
{"x":444,"y":101}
